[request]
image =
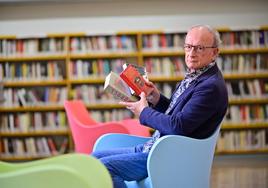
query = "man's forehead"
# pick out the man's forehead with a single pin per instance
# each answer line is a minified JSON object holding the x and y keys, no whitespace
{"x":199,"y":33}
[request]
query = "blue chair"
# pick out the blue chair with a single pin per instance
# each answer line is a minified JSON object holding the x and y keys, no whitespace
{"x":68,"y":171}
{"x":174,"y":161}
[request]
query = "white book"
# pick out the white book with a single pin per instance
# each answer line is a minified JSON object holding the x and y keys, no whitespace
{"x":24,"y":122}
{"x":1,"y":89}
{"x":1,"y":72}
{"x":33,"y":99}
{"x":11,"y":121}
{"x":5,"y":141}
{"x":257,"y":87}
{"x":79,"y":68}
{"x":83,"y":46}
{"x":19,"y":148}
{"x":45,"y":146}
{"x":30,"y":147}
{"x":102,"y":43}
{"x":38,"y":125}
{"x":155,"y":41}
{"x":21,"y":95}
{"x":241,"y":88}
{"x":52,"y":45}
{"x":115,"y":85}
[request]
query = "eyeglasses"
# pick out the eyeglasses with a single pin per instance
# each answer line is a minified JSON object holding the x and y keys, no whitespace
{"x":197,"y":48}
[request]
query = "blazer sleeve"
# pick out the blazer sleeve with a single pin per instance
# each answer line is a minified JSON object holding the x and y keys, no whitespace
{"x":162,"y":104}
{"x":201,"y":105}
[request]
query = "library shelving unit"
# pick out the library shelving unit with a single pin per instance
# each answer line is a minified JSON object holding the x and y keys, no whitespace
{"x":244,"y":62}
{"x":91,"y":57}
{"x":40,"y":72}
{"x":32,"y":118}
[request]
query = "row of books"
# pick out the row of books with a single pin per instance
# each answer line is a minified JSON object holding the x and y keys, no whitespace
{"x":246,"y":63}
{"x":175,"y":41}
{"x":92,"y":94}
{"x":123,"y":43}
{"x":111,"y":115}
{"x":33,"y":122}
{"x":165,"y":66}
{"x":31,"y":47}
{"x":237,"y":175}
{"x":243,"y":89}
{"x":228,"y":64}
{"x":34,"y":96}
{"x":242,"y":140}
{"x":163,"y":42}
{"x":93,"y":44}
{"x":245,"y":39}
{"x":33,"y":147}
{"x":80,"y":69}
{"x":32,"y":71}
{"x":237,"y":89}
{"x":95,"y":94}
{"x":256,"y":88}
{"x":257,"y":113}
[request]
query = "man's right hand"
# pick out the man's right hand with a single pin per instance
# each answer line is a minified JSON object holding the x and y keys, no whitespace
{"x":154,"y":96}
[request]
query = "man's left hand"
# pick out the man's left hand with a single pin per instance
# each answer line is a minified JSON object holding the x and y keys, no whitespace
{"x":136,"y":107}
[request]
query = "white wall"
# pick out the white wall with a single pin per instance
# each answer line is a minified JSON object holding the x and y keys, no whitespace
{"x":118,"y":15}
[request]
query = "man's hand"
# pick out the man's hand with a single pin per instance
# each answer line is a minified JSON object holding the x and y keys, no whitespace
{"x":154,"y":96}
{"x":136,"y":107}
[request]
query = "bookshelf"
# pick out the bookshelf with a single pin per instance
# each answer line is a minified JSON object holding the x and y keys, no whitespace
{"x":33,"y":123}
{"x":40,"y":72}
{"x":244,"y":62}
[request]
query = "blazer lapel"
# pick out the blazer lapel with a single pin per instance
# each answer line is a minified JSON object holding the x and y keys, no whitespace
{"x":204,"y":76}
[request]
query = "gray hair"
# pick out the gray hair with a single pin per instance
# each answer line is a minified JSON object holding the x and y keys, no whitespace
{"x":216,"y":34}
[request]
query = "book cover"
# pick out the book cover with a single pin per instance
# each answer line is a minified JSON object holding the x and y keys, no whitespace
{"x":115,"y":85}
{"x":135,"y":80}
{"x":140,"y":69}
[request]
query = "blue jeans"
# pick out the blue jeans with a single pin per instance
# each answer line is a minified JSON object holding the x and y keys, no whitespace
{"x":124,"y":164}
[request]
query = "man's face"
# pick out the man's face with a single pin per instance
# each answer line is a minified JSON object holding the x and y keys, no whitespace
{"x":199,"y":49}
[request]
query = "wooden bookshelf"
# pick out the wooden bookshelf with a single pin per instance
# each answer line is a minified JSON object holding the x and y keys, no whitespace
{"x":80,"y":62}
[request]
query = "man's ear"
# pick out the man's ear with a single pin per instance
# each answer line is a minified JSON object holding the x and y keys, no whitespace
{"x":215,"y":54}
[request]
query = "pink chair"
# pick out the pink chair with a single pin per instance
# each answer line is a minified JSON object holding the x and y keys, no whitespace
{"x":85,"y":130}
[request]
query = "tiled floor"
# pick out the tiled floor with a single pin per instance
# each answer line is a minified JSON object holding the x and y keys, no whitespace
{"x":240,"y":171}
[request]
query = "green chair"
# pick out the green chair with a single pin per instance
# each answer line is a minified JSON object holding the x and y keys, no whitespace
{"x":64,"y":171}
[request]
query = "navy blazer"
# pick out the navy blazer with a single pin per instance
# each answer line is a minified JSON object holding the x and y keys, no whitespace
{"x":198,"y":110}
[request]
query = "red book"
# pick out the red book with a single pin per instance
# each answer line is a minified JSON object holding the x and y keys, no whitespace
{"x":135,"y":80}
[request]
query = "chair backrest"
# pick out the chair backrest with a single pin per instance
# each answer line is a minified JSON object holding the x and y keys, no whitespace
{"x":76,"y":110}
{"x":178,"y":161}
{"x":68,"y":171}
{"x":86,"y":131}
{"x":174,"y":161}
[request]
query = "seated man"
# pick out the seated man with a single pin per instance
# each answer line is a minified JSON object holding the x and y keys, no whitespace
{"x":195,"y":109}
